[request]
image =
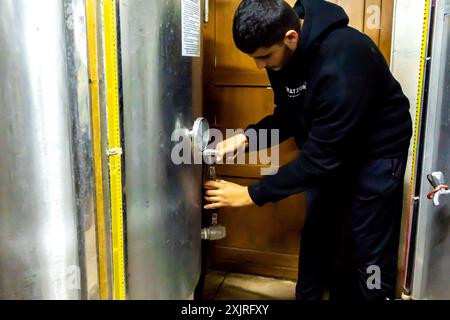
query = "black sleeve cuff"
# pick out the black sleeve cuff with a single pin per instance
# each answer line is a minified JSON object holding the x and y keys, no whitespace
{"x":257,"y":194}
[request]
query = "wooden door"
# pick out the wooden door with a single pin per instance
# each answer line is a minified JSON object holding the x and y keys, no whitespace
{"x":263,"y":241}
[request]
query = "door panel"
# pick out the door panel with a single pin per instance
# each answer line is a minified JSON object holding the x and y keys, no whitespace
{"x":385,"y":42}
{"x":371,"y":19}
{"x":229,"y":66}
{"x":228,"y":57}
{"x":237,"y":107}
{"x":355,"y":11}
{"x":261,"y":240}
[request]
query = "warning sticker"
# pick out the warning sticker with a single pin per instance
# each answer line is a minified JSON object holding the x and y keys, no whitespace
{"x":190,"y":13}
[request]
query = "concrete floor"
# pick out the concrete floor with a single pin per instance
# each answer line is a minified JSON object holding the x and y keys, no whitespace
{"x":221,"y":285}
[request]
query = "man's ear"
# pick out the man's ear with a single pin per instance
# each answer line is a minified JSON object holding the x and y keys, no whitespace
{"x":291,"y":39}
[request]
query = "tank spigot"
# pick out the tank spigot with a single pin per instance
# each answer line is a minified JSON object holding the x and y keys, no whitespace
{"x":214,"y":233}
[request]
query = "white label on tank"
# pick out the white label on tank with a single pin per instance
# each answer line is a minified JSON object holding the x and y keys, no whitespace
{"x":190,"y":13}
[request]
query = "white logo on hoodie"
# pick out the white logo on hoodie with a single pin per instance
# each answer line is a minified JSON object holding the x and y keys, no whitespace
{"x":295,"y":92}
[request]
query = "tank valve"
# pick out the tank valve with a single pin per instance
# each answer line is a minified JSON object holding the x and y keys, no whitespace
{"x":214,"y":233}
{"x":210,"y":156}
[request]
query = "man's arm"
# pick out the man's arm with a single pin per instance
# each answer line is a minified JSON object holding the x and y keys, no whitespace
{"x":280,"y":120}
{"x":340,"y":113}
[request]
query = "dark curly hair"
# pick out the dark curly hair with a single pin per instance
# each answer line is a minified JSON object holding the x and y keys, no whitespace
{"x":262,"y":23}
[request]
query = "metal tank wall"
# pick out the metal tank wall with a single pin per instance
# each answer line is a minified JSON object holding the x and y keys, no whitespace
{"x":47,"y":225}
{"x":161,"y":90}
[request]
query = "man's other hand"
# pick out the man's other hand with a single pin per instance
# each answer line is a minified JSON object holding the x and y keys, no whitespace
{"x":229,"y":148}
{"x":222,"y":194}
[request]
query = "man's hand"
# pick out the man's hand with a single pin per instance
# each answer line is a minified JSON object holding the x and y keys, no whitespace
{"x":226,"y":194}
{"x":229,"y":148}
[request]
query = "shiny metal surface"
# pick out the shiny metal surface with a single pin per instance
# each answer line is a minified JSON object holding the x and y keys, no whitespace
{"x":47,"y":231}
{"x":432,"y":260}
{"x":81,"y":144}
{"x":161,"y":91}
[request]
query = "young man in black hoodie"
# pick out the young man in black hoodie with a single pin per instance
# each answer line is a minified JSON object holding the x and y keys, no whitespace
{"x":336,"y":96}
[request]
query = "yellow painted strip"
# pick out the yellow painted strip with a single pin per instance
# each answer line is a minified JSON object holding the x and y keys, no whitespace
{"x":114,"y":141}
{"x":423,"y":58}
{"x":91,"y":14}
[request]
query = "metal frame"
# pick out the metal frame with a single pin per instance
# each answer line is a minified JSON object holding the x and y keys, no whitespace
{"x":424,"y":224}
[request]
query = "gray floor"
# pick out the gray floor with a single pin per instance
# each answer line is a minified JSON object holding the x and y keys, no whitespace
{"x":221,"y":285}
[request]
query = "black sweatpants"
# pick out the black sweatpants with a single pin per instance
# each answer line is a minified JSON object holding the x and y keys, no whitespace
{"x":351,"y":234}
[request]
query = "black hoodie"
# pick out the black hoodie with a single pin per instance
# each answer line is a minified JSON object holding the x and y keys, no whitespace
{"x":338,"y":99}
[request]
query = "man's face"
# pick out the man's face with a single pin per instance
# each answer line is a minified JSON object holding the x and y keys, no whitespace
{"x":278,"y":55}
{"x":274,"y":58}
